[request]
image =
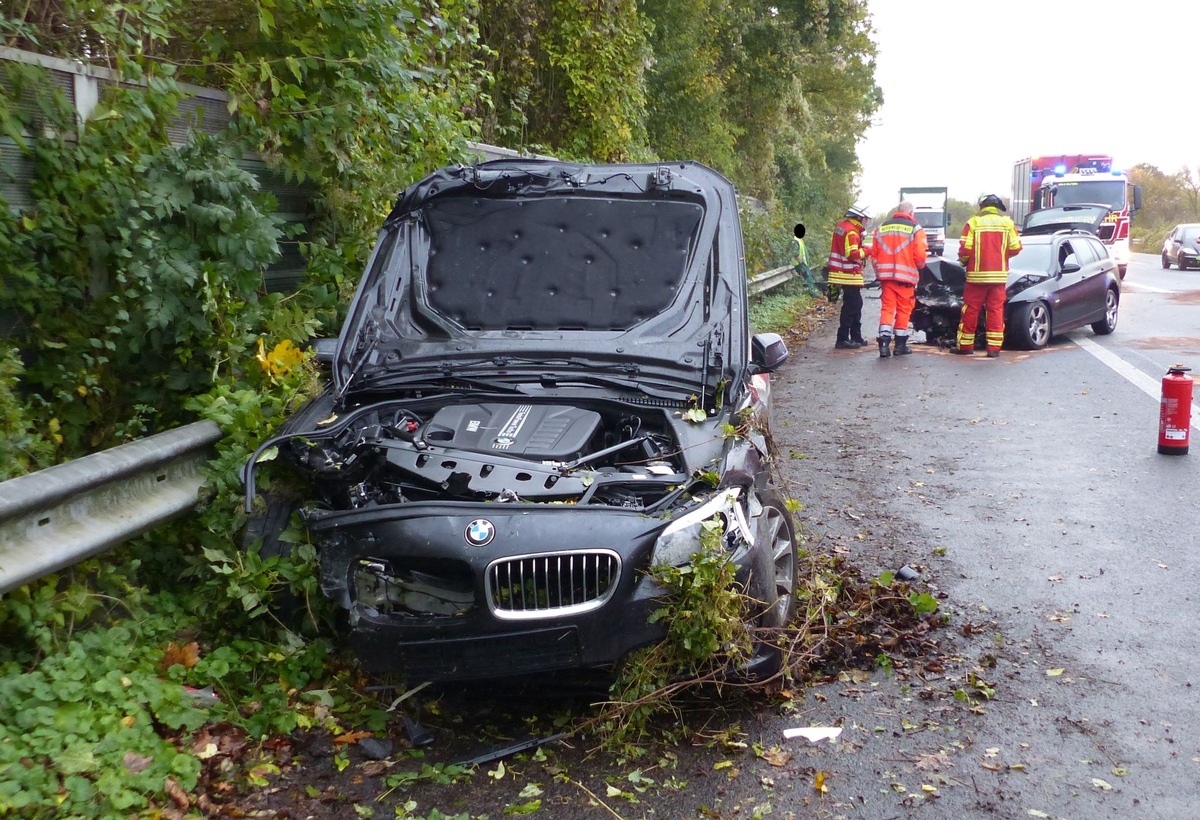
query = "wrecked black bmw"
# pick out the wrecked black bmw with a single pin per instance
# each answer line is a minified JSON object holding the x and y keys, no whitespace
{"x":545,"y":386}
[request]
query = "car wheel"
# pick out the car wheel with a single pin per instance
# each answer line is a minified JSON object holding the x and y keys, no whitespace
{"x":269,"y":526}
{"x":289,"y":607}
{"x":779,"y":533}
{"x":1109,"y":323}
{"x":1166,"y":263}
{"x":1031,"y":327}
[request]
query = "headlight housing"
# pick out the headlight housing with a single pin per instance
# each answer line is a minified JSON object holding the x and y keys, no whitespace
{"x":681,"y":538}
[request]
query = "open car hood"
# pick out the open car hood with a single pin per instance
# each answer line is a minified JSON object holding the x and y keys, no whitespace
{"x":534,"y":270}
{"x":1086,"y":217}
{"x":941,"y":283}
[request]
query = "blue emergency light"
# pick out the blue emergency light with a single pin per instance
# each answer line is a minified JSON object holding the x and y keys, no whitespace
{"x":1060,"y":169}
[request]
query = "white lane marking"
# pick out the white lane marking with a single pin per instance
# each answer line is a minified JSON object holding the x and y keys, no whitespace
{"x":1151,"y":387}
{"x":1137,"y":287}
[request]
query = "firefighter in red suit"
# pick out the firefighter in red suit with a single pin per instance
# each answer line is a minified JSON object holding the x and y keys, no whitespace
{"x":845,"y":266}
{"x":899,"y":250}
{"x":989,"y":240}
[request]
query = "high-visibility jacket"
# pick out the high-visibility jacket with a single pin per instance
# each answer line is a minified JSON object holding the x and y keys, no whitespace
{"x":899,"y":249}
{"x":801,"y":251}
{"x":989,"y":239}
{"x":846,"y":254}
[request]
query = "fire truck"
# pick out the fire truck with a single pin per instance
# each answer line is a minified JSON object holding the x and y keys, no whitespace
{"x":1074,"y":179}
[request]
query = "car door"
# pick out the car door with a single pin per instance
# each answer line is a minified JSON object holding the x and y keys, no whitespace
{"x":1075,"y":268}
{"x":1095,"y":280}
{"x":1176,"y":244}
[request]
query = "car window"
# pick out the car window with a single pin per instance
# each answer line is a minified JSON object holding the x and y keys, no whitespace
{"x":1033,"y":258}
{"x":1098,"y":250}
{"x":1189,"y":234}
{"x":1084,"y":251}
{"x":1066,"y":255}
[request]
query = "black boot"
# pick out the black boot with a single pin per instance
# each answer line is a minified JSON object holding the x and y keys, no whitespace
{"x":843,"y":340}
{"x":856,"y":336}
{"x":902,"y":346}
{"x":885,"y":346}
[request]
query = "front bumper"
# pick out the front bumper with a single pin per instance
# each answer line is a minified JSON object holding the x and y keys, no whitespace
{"x":530,"y":600}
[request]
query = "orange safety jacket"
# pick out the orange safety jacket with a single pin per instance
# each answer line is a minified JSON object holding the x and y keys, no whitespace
{"x":899,"y":249}
{"x":846,"y":254}
{"x":989,"y":239}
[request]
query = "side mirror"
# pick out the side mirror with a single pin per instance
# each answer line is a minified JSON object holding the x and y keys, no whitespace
{"x":323,"y":349}
{"x":1071,"y":267}
{"x":767,"y":352}
{"x":1137,"y":197}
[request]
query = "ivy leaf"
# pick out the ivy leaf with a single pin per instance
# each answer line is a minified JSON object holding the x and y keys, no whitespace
{"x":76,"y":760}
{"x":524,"y":808}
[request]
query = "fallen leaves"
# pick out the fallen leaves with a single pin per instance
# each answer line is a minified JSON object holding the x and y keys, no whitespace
{"x":187,"y":655}
{"x":819,"y":783}
{"x":351,"y":737}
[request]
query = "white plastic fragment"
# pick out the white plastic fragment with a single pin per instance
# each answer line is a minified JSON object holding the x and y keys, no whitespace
{"x":813,"y":733}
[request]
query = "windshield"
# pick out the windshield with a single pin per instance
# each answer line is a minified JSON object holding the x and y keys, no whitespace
{"x":931,"y":219}
{"x":1189,"y":234}
{"x":1109,"y":191}
{"x":1033,"y":258}
{"x":1060,"y":217}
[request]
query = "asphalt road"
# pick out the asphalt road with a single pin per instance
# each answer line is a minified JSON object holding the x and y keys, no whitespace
{"x":1029,"y":493}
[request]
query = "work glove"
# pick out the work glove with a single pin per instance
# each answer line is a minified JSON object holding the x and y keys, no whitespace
{"x":832,"y":293}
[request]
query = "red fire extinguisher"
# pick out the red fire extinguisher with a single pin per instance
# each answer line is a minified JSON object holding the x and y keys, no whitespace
{"x":1175,"y":413}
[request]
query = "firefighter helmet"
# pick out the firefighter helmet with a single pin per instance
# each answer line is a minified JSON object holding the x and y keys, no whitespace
{"x":993,"y":201}
{"x":858,"y":212}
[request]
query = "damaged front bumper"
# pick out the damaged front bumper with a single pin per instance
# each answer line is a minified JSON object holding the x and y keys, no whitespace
{"x":447,"y":591}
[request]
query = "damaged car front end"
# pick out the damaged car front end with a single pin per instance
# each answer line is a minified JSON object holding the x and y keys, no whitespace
{"x":1062,"y":279}
{"x":544,"y":388}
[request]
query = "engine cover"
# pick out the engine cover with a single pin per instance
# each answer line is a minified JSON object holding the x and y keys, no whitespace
{"x":534,"y":431}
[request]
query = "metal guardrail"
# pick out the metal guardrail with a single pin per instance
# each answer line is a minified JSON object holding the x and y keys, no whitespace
{"x":58,"y":516}
{"x":771,"y":279}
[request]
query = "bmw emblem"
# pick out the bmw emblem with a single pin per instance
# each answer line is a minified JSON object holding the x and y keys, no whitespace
{"x":480,"y":532}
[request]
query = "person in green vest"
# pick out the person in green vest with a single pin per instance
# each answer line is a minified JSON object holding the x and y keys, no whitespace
{"x":802,"y":268}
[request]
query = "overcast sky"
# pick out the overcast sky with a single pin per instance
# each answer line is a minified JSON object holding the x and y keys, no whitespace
{"x":971,"y":87}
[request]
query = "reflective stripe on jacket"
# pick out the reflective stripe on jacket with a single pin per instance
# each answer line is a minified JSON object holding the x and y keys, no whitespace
{"x":899,"y":249}
{"x":988,"y":240}
{"x":846,"y":254}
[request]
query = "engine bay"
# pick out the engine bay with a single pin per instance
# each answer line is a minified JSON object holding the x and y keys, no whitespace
{"x":391,"y":453}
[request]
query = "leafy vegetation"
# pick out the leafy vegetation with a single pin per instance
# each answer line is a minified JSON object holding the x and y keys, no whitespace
{"x":1168,"y":199}
{"x":135,"y":281}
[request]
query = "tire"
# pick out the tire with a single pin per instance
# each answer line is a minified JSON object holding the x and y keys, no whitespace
{"x":1166,"y":263}
{"x":1031,"y":327}
{"x":286,"y":605}
{"x":1109,"y":323}
{"x":269,"y":526}
{"x":778,"y":532}
{"x":781,"y":535}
